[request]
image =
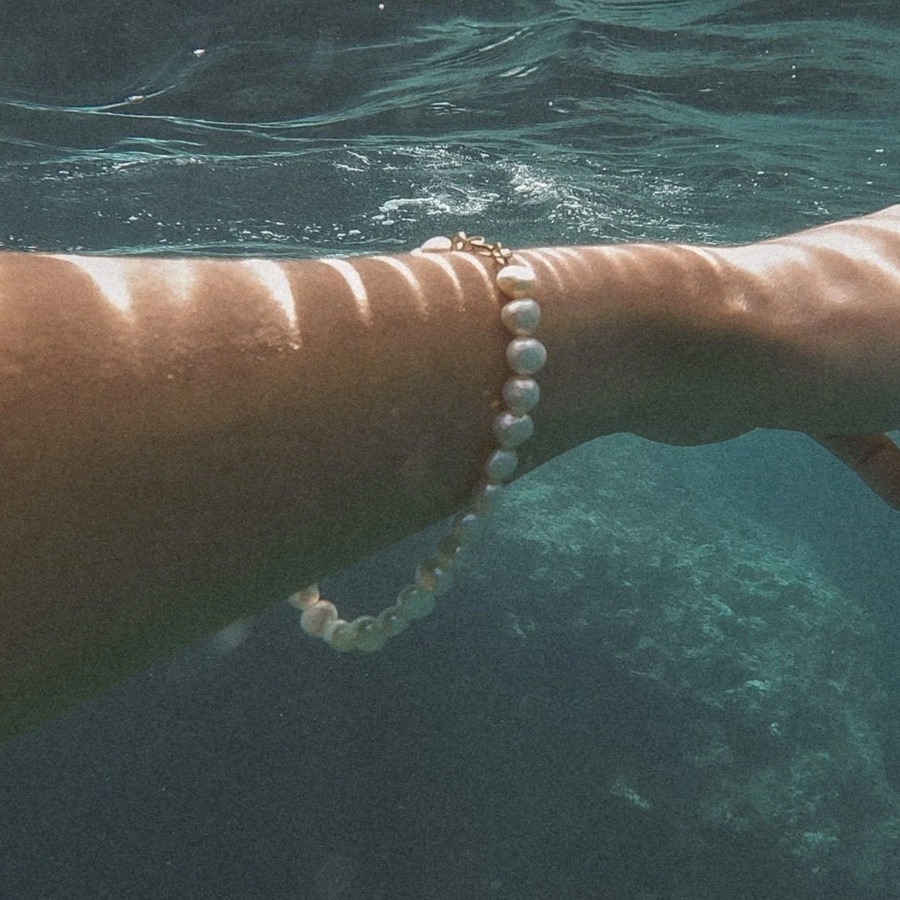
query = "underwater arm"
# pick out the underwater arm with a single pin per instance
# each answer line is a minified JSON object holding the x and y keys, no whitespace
{"x":183,"y":441}
{"x":874,"y":457}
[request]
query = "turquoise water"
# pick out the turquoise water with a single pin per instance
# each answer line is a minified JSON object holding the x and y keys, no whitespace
{"x":301,"y":130}
{"x":671,"y":674}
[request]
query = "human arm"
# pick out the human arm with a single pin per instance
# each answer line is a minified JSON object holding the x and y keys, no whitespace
{"x":185,"y":441}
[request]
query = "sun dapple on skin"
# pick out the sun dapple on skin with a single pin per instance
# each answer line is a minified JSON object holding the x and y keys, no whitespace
{"x":184,"y":441}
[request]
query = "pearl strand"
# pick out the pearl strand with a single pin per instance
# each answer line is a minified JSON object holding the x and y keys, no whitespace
{"x":511,"y":428}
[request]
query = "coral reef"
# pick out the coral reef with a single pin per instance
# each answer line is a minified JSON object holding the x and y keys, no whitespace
{"x":753,"y":665}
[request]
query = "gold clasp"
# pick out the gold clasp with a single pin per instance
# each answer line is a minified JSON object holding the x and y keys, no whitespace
{"x":500,"y":254}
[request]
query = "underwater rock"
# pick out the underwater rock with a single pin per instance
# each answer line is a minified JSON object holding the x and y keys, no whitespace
{"x":722,"y":645}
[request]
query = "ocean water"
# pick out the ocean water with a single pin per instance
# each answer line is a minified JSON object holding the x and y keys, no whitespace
{"x":671,"y":674}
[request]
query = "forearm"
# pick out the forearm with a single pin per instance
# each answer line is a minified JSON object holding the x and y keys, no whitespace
{"x":185,"y":441}
{"x":153,"y":410}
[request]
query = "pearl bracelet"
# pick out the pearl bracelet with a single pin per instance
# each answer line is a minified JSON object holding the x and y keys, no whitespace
{"x":511,"y":427}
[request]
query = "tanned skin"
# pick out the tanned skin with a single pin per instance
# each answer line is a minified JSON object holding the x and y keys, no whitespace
{"x":185,"y":441}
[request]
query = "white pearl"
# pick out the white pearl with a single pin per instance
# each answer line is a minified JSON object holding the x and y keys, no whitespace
{"x":392,"y":621}
{"x":467,"y":526}
{"x":339,"y":635}
{"x":500,"y":465}
{"x":368,"y":634}
{"x":437,"y":245}
{"x":511,"y":430}
{"x":431,"y":577}
{"x":305,"y":598}
{"x":516,"y":281}
{"x":526,"y":355}
{"x":415,"y":604}
{"x":521,"y":395}
{"x":521,"y":317}
{"x":317,"y":617}
{"x":446,"y":551}
{"x":484,"y":497}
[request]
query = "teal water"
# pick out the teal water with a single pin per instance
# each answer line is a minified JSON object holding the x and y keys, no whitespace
{"x":672,"y":674}
{"x":302,"y":129}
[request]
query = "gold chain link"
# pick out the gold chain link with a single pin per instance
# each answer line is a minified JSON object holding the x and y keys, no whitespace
{"x":500,"y":254}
